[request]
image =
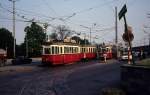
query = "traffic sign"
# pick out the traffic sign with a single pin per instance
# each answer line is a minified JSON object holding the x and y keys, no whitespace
{"x":122,"y":12}
{"x":128,"y":36}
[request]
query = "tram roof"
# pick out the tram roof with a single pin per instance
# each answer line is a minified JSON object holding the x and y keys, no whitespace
{"x":60,"y":43}
{"x":65,"y":43}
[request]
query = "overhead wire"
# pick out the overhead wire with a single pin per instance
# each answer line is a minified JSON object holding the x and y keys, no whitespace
{"x":91,"y":8}
{"x":30,"y":13}
{"x":49,"y":6}
{"x":61,"y":19}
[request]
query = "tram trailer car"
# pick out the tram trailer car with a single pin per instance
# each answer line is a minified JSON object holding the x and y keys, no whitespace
{"x":106,"y":50}
{"x":60,"y":53}
{"x":65,"y":53}
{"x":88,"y":52}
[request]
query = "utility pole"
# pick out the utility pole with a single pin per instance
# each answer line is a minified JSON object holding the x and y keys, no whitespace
{"x":90,"y":35}
{"x":116,"y":28}
{"x":27,"y":47}
{"x":45,"y":30}
{"x":90,"y":29}
{"x":84,"y":39}
{"x":14,"y":30}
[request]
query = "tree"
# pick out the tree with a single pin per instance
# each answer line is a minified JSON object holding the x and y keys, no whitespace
{"x":35,"y":36}
{"x":77,"y":39}
{"x":54,"y":36}
{"x":6,"y":41}
{"x":80,"y":41}
{"x":62,"y":31}
{"x":21,"y":49}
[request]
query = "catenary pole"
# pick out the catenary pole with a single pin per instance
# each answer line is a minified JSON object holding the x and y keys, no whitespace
{"x":14,"y":28}
{"x":116,"y":28}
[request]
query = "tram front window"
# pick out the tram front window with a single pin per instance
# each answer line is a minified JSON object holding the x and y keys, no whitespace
{"x":103,"y":50}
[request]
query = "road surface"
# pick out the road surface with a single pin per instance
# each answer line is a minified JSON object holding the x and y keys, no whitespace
{"x":84,"y":78}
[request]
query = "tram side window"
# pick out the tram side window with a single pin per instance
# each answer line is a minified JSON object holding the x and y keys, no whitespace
{"x":71,"y":49}
{"x":56,"y":50}
{"x":83,"y":50}
{"x":94,"y":50}
{"x":52,"y":50}
{"x":66,"y":49}
{"x":60,"y":50}
{"x":86,"y":50}
{"x":46,"y":50}
{"x":77,"y":49}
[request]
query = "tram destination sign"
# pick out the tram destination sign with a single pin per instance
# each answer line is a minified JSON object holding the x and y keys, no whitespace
{"x":122,"y":11}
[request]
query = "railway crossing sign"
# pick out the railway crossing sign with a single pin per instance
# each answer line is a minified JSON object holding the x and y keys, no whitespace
{"x":122,"y":12}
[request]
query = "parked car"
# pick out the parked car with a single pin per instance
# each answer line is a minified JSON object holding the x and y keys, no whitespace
{"x":125,"y":56}
{"x":21,"y":60}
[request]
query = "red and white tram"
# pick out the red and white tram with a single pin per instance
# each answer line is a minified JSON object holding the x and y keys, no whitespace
{"x":105,"y":51}
{"x":65,"y":53}
{"x":88,"y":52}
{"x":60,"y":53}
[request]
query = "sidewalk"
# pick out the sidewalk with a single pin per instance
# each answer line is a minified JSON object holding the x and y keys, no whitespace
{"x":16,"y":68}
{"x":22,"y":67}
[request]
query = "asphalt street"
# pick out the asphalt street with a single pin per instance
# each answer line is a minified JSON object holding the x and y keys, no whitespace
{"x":84,"y":78}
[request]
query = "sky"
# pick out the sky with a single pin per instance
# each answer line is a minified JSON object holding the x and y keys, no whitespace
{"x":80,"y":16}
